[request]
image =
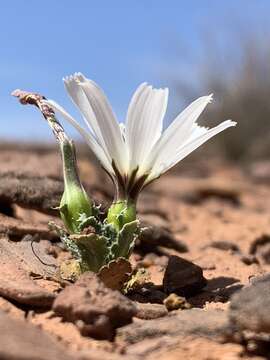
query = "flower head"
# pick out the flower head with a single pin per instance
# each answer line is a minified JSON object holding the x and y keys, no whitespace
{"x":139,"y":151}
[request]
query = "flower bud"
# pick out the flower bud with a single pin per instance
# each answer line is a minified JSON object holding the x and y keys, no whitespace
{"x":75,"y":202}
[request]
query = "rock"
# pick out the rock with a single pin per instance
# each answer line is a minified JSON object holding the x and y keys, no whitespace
{"x":220,"y":189}
{"x":183,"y":277}
{"x":186,"y":348}
{"x":258,"y":242}
{"x":249,"y":259}
{"x":31,"y":254}
{"x":20,"y":340}
{"x":28,"y":190}
{"x":210,"y":323}
{"x":96,"y":309}
{"x":265,"y":254}
{"x":250,"y":308}
{"x":21,"y":272}
{"x":250,"y":317}
{"x":148,"y":311}
{"x":86,"y":348}
{"x":98,"y":354}
{"x":148,"y":293}
{"x":175,"y":302}
{"x":24,"y":290}
{"x":261,"y":248}
{"x":154,"y":219}
{"x":261,"y":278}
{"x":225,"y":245}
{"x":16,"y":229}
{"x":11,"y":309}
{"x":160,"y":236}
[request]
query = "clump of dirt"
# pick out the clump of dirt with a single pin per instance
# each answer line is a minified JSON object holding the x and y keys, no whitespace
{"x":93,"y":307}
{"x":250,"y":317}
{"x":205,"y":256}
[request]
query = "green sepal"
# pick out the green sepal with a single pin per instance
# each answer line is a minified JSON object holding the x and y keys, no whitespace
{"x":75,"y":201}
{"x":121,"y":213}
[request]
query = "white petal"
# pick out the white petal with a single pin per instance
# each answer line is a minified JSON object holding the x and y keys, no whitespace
{"x":79,"y":98}
{"x":123,"y":130}
{"x":95,"y":147}
{"x":199,"y":136}
{"x":144,"y":122}
{"x":105,"y":123}
{"x":178,"y":131}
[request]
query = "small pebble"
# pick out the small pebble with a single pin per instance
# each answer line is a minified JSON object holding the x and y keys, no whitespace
{"x":175,"y":302}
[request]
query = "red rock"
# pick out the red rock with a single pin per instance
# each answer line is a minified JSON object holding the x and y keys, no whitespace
{"x":96,"y":309}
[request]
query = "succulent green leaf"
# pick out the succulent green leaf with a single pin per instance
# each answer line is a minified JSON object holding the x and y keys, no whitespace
{"x":125,"y":241}
{"x":93,"y":250}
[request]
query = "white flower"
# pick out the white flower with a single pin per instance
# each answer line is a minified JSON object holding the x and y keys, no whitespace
{"x":140,"y":151}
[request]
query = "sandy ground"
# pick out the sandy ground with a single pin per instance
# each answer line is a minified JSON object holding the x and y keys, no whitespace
{"x":209,"y":212}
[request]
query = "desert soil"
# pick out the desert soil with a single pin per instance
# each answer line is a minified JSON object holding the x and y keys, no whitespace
{"x":205,"y":293}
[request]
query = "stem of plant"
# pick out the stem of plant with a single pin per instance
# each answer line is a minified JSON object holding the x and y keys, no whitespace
{"x":75,"y":201}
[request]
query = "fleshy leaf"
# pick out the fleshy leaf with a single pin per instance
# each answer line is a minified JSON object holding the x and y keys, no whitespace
{"x":70,"y":245}
{"x":125,"y":241}
{"x":93,"y":250}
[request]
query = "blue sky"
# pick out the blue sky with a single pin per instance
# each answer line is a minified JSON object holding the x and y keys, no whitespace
{"x":119,"y":44}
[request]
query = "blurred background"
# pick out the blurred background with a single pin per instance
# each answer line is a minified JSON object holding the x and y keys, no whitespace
{"x":193,"y":47}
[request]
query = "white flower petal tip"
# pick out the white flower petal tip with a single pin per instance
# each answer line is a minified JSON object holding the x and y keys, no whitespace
{"x":207,"y":99}
{"x":210,"y":98}
{"x":77,"y":77}
{"x":229,"y":123}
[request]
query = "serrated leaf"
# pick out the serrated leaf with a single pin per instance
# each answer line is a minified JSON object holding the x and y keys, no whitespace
{"x":64,"y":237}
{"x":125,"y":240}
{"x":88,"y":221}
{"x":93,"y":250}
